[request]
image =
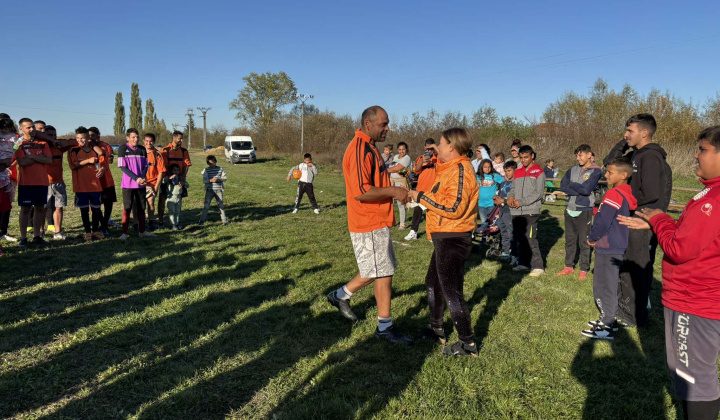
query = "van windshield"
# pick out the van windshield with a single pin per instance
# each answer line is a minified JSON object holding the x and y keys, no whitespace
{"x":242,"y":145}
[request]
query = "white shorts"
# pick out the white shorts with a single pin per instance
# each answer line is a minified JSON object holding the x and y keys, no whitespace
{"x":374,"y":253}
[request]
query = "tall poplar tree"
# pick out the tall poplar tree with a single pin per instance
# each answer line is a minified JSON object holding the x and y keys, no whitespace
{"x":119,"y":127}
{"x":151,"y":119}
{"x":136,"y":113}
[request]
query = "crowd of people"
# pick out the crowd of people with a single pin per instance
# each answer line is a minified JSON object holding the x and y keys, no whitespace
{"x":625,"y":226}
{"x":31,"y":170}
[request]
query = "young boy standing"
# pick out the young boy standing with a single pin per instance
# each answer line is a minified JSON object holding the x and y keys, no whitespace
{"x":525,"y":200}
{"x":214,"y":178}
{"x":155,"y":174}
{"x":84,"y":162}
{"x":550,"y":172}
{"x":610,"y":240}
{"x":579,"y":184}
{"x":175,"y":185}
{"x":132,"y":160}
{"x":504,"y":222}
{"x":106,"y":180}
{"x":305,"y":184}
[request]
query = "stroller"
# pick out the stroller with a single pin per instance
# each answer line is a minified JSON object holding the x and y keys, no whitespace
{"x":488,"y":235}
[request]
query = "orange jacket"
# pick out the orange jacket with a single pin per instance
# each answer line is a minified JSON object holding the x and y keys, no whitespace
{"x":452,"y":202}
{"x":426,"y":174}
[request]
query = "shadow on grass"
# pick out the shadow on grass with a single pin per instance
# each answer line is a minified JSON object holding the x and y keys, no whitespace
{"x":624,"y":385}
{"x":549,"y":232}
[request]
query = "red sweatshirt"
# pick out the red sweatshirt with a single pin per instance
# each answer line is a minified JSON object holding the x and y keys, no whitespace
{"x":691,"y":265}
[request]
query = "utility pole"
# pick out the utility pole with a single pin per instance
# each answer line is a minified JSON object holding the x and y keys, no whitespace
{"x":302,"y":98}
{"x":190,"y":114}
{"x":204,"y":111}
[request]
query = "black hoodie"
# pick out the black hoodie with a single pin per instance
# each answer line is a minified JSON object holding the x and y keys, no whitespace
{"x":651,"y":181}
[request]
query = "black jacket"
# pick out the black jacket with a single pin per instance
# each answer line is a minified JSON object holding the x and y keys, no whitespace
{"x":651,"y":181}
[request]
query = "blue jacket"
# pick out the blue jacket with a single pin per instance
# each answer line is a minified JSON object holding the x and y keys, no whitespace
{"x":503,"y":190}
{"x":609,"y":235}
{"x":488,"y":185}
{"x":579,"y":183}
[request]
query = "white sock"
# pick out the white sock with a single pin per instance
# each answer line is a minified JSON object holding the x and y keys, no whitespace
{"x":384,"y":324}
{"x":343,"y":293}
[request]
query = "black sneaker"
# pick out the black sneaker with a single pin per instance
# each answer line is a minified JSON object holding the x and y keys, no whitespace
{"x":461,"y":349}
{"x":106,"y":233}
{"x":600,"y":331}
{"x":392,"y":335}
{"x":38,"y":240}
{"x":22,"y":244}
{"x":614,"y":326}
{"x":342,"y":305}
{"x":161,"y":225}
{"x":434,"y":334}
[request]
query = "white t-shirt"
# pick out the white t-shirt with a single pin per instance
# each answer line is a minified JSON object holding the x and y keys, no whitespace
{"x":397,"y":160}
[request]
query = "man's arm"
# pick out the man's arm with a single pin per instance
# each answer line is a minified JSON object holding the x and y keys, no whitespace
{"x":383,"y":193}
{"x":565,"y":184}
{"x":684,"y":242}
{"x":618,"y":150}
{"x":587,"y":187}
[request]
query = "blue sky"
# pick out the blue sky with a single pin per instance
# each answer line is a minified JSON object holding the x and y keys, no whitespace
{"x":517,"y":56}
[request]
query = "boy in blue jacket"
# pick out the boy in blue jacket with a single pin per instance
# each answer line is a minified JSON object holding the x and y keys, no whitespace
{"x":610,"y":240}
{"x":579,"y":183}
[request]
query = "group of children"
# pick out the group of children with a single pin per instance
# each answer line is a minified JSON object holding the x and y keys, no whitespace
{"x":31,"y":168}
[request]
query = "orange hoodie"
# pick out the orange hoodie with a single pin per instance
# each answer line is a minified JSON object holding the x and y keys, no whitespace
{"x":453,"y":200}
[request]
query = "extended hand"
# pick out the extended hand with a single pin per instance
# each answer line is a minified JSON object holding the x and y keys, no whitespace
{"x":647,"y":214}
{"x":287,"y":179}
{"x":634,"y":223}
{"x":401,"y":194}
{"x":100,"y":172}
{"x":413,"y":195}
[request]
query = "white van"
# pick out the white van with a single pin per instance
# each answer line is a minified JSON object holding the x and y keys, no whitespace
{"x":239,"y":149}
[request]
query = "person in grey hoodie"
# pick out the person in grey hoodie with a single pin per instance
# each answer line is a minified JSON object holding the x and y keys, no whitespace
{"x":651,"y":185}
{"x":579,"y":183}
{"x":525,"y":199}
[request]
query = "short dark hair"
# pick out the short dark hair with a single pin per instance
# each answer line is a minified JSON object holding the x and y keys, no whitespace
{"x":510,"y":164}
{"x":7,"y":124}
{"x":40,"y":122}
{"x":150,"y":135}
{"x":622,"y":163}
{"x":4,"y":115}
{"x":24,"y":120}
{"x":81,"y":130}
{"x":177,"y":133}
{"x":173,"y":166}
{"x":94,"y":130}
{"x":486,"y":147}
{"x":211,"y":158}
{"x":307,"y":155}
{"x":712,"y":135}
{"x":370,"y":113}
{"x":402,"y":143}
{"x":388,"y":145}
{"x":551,"y":160}
{"x":526,"y":149}
{"x":429,"y":141}
{"x":50,"y":127}
{"x":585,"y":148}
{"x":644,"y":122}
{"x":131,"y":130}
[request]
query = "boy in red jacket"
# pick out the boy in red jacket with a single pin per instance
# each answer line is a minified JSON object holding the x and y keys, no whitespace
{"x":691,"y":284}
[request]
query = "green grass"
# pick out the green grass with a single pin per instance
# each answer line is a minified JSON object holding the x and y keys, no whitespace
{"x":231,"y":321}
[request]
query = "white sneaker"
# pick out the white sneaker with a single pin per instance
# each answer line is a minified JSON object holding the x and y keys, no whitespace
{"x":316,"y":211}
{"x":410,"y":236}
{"x":59,"y":236}
{"x":536,"y":272}
{"x":8,"y":238}
{"x":295,"y":211}
{"x":123,"y":237}
{"x":521,"y":268}
{"x":146,"y":234}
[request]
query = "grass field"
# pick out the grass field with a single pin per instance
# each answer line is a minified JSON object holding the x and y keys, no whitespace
{"x":231,"y":321}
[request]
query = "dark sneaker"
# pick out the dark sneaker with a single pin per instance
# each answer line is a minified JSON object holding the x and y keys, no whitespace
{"x":461,"y":349}
{"x":22,"y":244}
{"x":430,"y":333}
{"x":342,"y":305}
{"x":614,"y":326}
{"x":600,"y":331}
{"x":392,"y":335}
{"x":38,"y":240}
{"x":106,"y":233}
{"x":161,"y":225}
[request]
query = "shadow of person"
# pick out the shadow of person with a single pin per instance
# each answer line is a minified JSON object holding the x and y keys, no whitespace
{"x":494,"y":291}
{"x":622,"y":382}
{"x":549,"y":233}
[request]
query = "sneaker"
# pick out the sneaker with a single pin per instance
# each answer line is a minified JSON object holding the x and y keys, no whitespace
{"x":88,"y":237}
{"x":582,"y":275}
{"x":106,"y":233}
{"x":461,"y":349}
{"x":600,"y":331}
{"x":50,"y":228}
{"x":146,"y":234}
{"x":410,"y":236}
{"x":98,"y":235}
{"x":22,"y":244}
{"x":536,"y":272}
{"x":434,"y":334}
{"x":614,"y":326}
{"x":112,"y":224}
{"x":316,"y":211}
{"x":59,"y":236}
{"x":180,"y":227}
{"x":225,"y":223}
{"x":161,"y":225}
{"x":8,"y":238}
{"x":566,"y":271}
{"x":392,"y":335}
{"x":521,"y":268}
{"x":174,"y":228}
{"x":343,"y":306}
{"x":505,"y":257}
{"x":39,"y":241}
{"x":402,"y":226}
{"x":295,"y":211}
{"x":514,"y":261}
{"x":123,"y":237}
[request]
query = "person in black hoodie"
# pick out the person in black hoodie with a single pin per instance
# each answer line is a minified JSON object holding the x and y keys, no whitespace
{"x":651,"y":185}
